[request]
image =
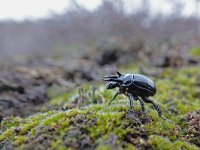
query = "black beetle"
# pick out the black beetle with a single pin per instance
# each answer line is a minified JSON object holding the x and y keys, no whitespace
{"x":135,"y":86}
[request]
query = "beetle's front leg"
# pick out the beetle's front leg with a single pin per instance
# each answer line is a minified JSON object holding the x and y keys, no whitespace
{"x":131,"y":107}
{"x":118,"y":92}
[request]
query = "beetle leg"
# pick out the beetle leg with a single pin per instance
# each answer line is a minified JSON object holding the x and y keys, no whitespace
{"x":142,"y":105}
{"x":131,"y":101}
{"x":114,"y":97}
{"x":147,"y":100}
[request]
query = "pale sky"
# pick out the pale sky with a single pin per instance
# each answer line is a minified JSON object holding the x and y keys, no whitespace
{"x":23,"y":9}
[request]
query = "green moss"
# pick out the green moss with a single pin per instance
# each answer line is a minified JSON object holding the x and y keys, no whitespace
{"x":161,"y":143}
{"x":107,"y":123}
{"x":103,"y":147}
{"x":97,"y":125}
{"x":24,"y":126}
{"x":20,"y":140}
{"x":53,"y":118}
{"x":10,"y":122}
{"x":7,"y":135}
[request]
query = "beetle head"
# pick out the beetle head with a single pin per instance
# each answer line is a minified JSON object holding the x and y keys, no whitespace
{"x":114,"y":80}
{"x":112,"y":85}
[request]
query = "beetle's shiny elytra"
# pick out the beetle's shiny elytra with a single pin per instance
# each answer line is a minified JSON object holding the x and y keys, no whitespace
{"x":135,"y":86}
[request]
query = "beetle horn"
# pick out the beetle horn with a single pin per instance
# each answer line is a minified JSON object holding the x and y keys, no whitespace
{"x":112,"y":76}
{"x":119,"y":74}
{"x":113,"y":79}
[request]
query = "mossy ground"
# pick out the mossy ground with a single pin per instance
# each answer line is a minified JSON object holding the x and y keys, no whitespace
{"x":84,"y":120}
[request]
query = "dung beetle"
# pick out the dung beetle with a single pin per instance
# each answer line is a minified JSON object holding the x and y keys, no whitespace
{"x":135,"y":87}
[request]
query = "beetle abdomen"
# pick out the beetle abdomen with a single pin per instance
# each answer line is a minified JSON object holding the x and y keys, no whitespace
{"x":144,"y":89}
{"x":144,"y":85}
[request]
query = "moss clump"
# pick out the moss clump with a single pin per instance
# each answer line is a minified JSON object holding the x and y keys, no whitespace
{"x":93,"y":124}
{"x":161,"y":143}
{"x":86,"y":127}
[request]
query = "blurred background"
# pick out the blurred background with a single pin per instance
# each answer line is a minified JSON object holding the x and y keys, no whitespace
{"x":44,"y":44}
{"x":72,"y":28}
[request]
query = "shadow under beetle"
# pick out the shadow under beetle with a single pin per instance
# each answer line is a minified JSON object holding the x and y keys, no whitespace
{"x":135,"y":87}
